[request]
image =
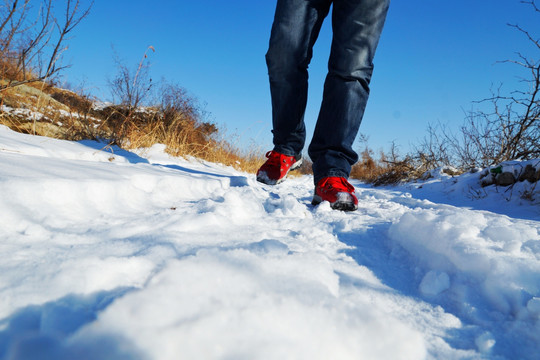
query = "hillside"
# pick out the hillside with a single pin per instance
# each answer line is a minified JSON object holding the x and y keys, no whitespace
{"x":176,"y":121}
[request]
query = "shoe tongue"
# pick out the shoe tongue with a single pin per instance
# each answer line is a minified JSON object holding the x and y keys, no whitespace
{"x":274,"y":157}
{"x":346,"y":184}
{"x":338,"y":182}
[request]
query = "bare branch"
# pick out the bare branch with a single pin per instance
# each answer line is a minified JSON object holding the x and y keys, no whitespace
{"x":527,"y":34}
{"x":131,"y":88}
{"x":46,"y":32}
{"x":10,"y":15}
{"x":532,"y":3}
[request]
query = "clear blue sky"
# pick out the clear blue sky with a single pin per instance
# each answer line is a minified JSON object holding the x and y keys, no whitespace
{"x":434,"y":59}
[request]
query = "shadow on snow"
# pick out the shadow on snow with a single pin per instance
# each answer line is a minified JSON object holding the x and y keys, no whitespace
{"x":44,"y":332}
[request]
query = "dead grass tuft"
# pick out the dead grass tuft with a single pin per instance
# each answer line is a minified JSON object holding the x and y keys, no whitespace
{"x":389,"y":168}
{"x":178,"y":122}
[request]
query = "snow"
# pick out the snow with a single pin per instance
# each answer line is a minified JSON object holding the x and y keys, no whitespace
{"x":26,"y":113}
{"x":138,"y":255}
{"x":101,"y":105}
{"x":434,"y":282}
{"x":35,"y":115}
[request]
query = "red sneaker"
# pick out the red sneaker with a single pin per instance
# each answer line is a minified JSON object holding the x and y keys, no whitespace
{"x":274,"y":170}
{"x":337,"y":191}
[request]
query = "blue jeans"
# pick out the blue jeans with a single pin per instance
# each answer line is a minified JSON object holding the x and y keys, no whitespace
{"x":357,"y":26}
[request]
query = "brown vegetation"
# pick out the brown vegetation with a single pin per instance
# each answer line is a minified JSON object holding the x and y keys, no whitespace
{"x":31,"y":44}
{"x":178,"y":122}
{"x":32,"y":39}
{"x":388,"y":168}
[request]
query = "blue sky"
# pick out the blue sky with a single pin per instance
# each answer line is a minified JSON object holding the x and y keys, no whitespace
{"x":434,"y":59}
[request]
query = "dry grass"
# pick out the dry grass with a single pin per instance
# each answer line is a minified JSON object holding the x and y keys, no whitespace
{"x":45,"y":110}
{"x":10,"y":70}
{"x":41,"y":109}
{"x":177,"y":122}
{"x":186,"y":137}
{"x":389,"y":168}
{"x":368,"y":169}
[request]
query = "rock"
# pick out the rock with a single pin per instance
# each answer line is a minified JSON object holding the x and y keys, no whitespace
{"x":484,"y":173}
{"x":487,"y":180}
{"x":529,"y":174}
{"x":450,"y":171}
{"x":427,"y":175}
{"x":505,"y":179}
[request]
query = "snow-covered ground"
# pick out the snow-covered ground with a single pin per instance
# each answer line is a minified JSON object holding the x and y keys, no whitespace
{"x":106,"y":254}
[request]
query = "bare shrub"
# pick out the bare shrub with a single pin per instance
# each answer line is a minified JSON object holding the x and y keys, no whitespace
{"x":306,"y":168}
{"x":130,"y":88}
{"x":187,"y":132}
{"x":368,"y":168}
{"x":32,"y":42}
{"x":388,"y":168}
{"x":510,"y":131}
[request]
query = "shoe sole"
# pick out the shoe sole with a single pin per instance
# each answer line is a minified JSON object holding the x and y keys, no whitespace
{"x":266,"y":180}
{"x":338,"y":205}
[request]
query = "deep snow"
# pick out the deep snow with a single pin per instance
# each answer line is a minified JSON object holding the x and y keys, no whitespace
{"x":107,"y":254}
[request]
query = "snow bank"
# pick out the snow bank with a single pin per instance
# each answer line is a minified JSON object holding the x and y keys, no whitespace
{"x":107,"y":254}
{"x":478,"y":189}
{"x":485,"y":267}
{"x":112,"y":254}
{"x":251,"y":305}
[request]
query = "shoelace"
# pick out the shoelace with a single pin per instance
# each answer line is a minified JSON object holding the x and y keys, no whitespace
{"x":339,"y":184}
{"x":275,"y":158}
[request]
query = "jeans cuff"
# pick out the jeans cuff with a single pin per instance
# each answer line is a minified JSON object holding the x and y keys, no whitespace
{"x":334,"y":172}
{"x":286,"y":152}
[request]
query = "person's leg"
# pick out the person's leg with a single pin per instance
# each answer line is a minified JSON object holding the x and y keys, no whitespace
{"x":357,"y":25}
{"x":296,"y":26}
